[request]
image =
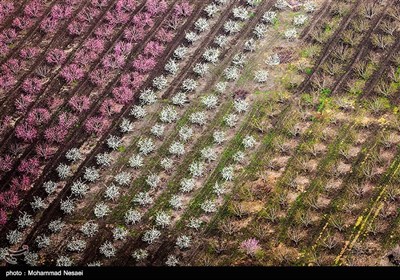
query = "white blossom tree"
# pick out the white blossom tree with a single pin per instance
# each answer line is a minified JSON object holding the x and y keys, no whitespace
{"x":179,"y":99}
{"x":196,"y":168}
{"x":140,"y":255}
{"x":185,"y":133}
{"x":240,"y":106}
{"x":241,"y":13}
{"x":91,"y":174}
{"x":157,"y":130}
{"x":168,"y":114}
{"x":195,"y":223}
{"x":231,"y":119}
{"x":119,"y":233}
{"x":210,"y":101}
{"x":103,"y":159}
{"x":138,"y":112}
{"x":183,"y":242}
{"x":143,"y":198}
{"x":172,"y":261}
{"x":208,"y":154}
{"x":198,"y":118}
{"x":250,"y":45}
{"x":42,"y":241}
{"x":176,"y":202}
{"x":200,"y":69}
{"x":114,"y":142}
{"x":63,"y":171}
{"x":126,"y":126}
{"x":189,"y":85}
{"x":160,"y":82}
{"x":135,"y":161}
{"x":151,"y":235}
{"x":220,"y":87}
{"x":221,"y":40}
{"x":89,"y":229}
{"x":208,"y":206}
{"x":67,"y":206}
{"x":261,"y":76}
{"x":123,"y":178}
{"x":76,"y":245}
{"x":171,"y":67}
{"x":231,"y":73}
{"x":132,"y":216}
{"x":107,"y":249}
{"x":148,"y":96}
{"x":167,"y":164}
{"x":49,"y":187}
{"x":219,"y":137}
{"x":73,"y":155}
{"x":162,"y":219}
{"x":146,"y":146}
{"x":153,"y":180}
{"x":180,"y":52}
{"x":56,"y":225}
{"x":227,"y":173}
{"x":201,"y":25}
{"x":64,"y":261}
{"x":101,"y":210}
{"x":14,"y":236}
{"x":111,"y":192}
{"x":187,"y":185}
{"x":176,"y":149}
{"x":211,"y":10}
{"x":211,"y":55}
{"x":79,"y":188}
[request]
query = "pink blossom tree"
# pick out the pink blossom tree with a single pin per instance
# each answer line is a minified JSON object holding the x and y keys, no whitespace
{"x":56,"y":57}
{"x":49,"y":25}
{"x":164,"y":36}
{"x":26,"y":132}
{"x":21,"y":183}
{"x":126,"y":5}
{"x":3,"y":217}
{"x":156,"y":7}
{"x":134,"y":34}
{"x":23,"y":102}
{"x":143,"y":64}
{"x":79,"y":103}
{"x":183,"y":9}
{"x":5,"y":163}
{"x":99,"y":77}
{"x":33,"y":9}
{"x":132,"y":80}
{"x":141,"y":20}
{"x":29,"y":166}
{"x":76,"y":28}
{"x":32,"y":85}
{"x":59,"y":11}
{"x":96,"y":125}
{"x":108,"y":107}
{"x":122,"y":95}
{"x":38,"y":116}
{"x":55,"y":134}
{"x":72,"y":73}
{"x":45,"y":151}
{"x":250,"y":246}
{"x":9,"y":199}
{"x":28,"y":53}
{"x":153,"y":49}
{"x":12,"y":66}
